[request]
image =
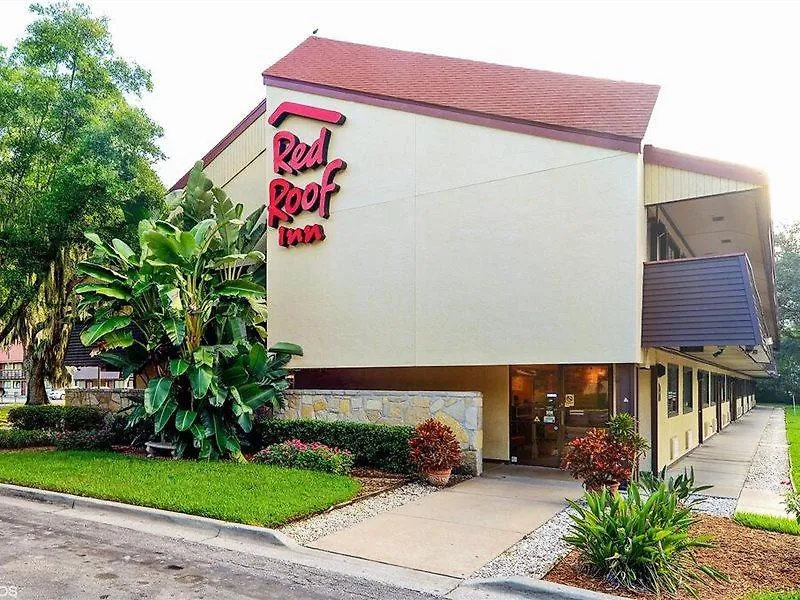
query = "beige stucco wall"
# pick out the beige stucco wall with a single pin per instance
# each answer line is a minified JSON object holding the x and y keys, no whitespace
{"x":491,"y":382}
{"x":453,"y":244}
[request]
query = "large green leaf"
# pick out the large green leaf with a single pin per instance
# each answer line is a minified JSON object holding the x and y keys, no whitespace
{"x":245,"y":421}
{"x":111,"y":290}
{"x":122,"y":338}
{"x":220,"y":432}
{"x":257,"y":360}
{"x":219,"y":393}
{"x":176,"y":330}
{"x":187,"y":244}
{"x":98,"y":329}
{"x":123,"y":250}
{"x":204,"y":356}
{"x":156,"y":393}
{"x":100,"y":272}
{"x":164,"y":413}
{"x":184,"y":419}
{"x":240,"y":287}
{"x":200,"y":379}
{"x":200,"y":230}
{"x":287,"y":348}
{"x":255,"y":395}
{"x":178,"y":366}
{"x":163,"y":248}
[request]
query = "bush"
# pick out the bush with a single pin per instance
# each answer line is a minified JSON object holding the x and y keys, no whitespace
{"x":640,"y":544}
{"x":683,"y":485}
{"x":58,"y":418}
{"x":379,"y":446}
{"x":84,"y":440}
{"x":11,"y":439}
{"x":295,"y":454}
{"x":122,"y":434}
{"x":598,"y":459}
{"x":32,"y":418}
{"x":435,"y":447}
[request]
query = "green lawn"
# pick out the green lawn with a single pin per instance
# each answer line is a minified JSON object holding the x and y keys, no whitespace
{"x":245,"y":493}
{"x":768,"y":522}
{"x":793,"y":433}
{"x":4,"y":414}
{"x":774,"y":596}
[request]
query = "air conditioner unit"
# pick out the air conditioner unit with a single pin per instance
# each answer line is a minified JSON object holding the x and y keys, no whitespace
{"x":674,"y":447}
{"x":689,"y":439}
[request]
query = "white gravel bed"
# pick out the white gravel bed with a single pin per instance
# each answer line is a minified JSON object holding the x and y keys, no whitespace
{"x":535,"y":554}
{"x":313,"y":528}
{"x":714,"y":505}
{"x":769,"y":471}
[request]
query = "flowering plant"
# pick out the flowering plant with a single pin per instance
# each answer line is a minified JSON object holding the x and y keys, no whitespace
{"x":598,"y":458}
{"x":314,"y":456}
{"x":434,"y":447}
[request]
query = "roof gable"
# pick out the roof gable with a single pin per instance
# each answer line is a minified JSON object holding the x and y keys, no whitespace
{"x":612,"y":108}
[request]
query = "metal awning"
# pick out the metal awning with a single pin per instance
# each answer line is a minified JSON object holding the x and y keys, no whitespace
{"x":707,"y":307}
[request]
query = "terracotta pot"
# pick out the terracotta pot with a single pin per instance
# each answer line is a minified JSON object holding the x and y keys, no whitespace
{"x":437,"y":478}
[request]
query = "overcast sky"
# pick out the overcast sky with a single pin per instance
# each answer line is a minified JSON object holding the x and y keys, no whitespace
{"x":728,"y":71}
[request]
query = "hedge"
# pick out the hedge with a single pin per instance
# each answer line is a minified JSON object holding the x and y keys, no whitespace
{"x":379,"y":446}
{"x":11,"y":439}
{"x":48,"y":416}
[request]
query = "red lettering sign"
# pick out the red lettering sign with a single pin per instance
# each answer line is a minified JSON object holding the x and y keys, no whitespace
{"x":290,"y":156}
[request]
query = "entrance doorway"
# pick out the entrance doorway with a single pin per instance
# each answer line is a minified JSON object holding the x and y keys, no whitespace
{"x":552,"y":405}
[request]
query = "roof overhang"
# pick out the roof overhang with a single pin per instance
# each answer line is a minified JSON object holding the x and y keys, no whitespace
{"x":708,"y":308}
{"x":717,"y":208}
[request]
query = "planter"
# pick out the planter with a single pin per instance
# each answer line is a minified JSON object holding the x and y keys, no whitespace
{"x":437,"y":478}
{"x":612,"y":486}
{"x":159,"y":449}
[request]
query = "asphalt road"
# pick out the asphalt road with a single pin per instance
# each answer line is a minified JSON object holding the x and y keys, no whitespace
{"x":46,"y":556}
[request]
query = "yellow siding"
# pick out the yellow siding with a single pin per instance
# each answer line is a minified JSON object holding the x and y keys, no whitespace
{"x":242,"y":151}
{"x":665,"y":184}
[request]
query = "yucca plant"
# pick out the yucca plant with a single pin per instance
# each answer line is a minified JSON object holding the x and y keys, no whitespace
{"x":642,"y":544}
{"x":188,"y":313}
{"x":683,"y":486}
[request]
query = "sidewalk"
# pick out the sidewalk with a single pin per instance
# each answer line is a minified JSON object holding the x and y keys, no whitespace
{"x":457,"y":530}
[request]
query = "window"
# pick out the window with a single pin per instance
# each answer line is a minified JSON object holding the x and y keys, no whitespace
{"x":673,"y":408}
{"x":688,"y":390}
{"x":702,"y":387}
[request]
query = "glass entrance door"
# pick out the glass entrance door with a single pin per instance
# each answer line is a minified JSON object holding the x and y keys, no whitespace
{"x":553,"y":404}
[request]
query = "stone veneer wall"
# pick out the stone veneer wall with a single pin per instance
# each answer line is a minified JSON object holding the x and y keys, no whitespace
{"x":461,"y":411}
{"x":111,"y":400}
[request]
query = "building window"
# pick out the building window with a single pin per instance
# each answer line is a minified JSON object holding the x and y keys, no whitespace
{"x":673,"y":406}
{"x":688,"y":390}
{"x":702,"y":387}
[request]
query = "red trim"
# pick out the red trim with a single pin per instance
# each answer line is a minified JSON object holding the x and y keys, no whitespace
{"x":251,"y":118}
{"x":586,"y":138}
{"x":706,"y":166}
{"x":287,"y":109}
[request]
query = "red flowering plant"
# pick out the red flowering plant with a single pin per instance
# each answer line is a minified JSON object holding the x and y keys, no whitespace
{"x":598,"y":459}
{"x":296,"y":454}
{"x":434,"y":447}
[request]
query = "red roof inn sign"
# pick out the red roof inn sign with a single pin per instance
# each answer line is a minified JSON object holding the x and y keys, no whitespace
{"x":291,"y":156}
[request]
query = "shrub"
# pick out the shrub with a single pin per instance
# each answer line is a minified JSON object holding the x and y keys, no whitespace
{"x":84,"y":440}
{"x":295,"y":454}
{"x":434,"y":447}
{"x":11,"y":439}
{"x":640,"y":544}
{"x":379,"y":446}
{"x":32,"y":418}
{"x":791,"y":500}
{"x":124,"y":434}
{"x":58,"y":418}
{"x":622,"y":428}
{"x":598,"y":459}
{"x":683,"y":485}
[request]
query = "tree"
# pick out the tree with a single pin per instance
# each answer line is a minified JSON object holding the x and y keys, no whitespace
{"x":787,"y":275}
{"x":74,"y":155}
{"x":189,"y":311}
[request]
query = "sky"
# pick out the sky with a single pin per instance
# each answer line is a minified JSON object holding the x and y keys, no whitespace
{"x":728,"y":71}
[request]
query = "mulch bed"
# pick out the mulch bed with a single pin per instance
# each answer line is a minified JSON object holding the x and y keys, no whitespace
{"x":753,"y":559}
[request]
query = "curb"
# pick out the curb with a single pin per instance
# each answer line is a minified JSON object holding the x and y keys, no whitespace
{"x":205,"y":525}
{"x":536,"y":588}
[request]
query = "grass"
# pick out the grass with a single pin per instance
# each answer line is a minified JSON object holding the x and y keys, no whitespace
{"x":4,"y":414}
{"x":244,"y":493}
{"x":774,"y":596}
{"x":793,"y":434}
{"x":768,"y":522}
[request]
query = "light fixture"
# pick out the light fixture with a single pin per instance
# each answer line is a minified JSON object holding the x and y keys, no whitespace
{"x":719,"y":351}
{"x":717,"y":219}
{"x":726,"y":241}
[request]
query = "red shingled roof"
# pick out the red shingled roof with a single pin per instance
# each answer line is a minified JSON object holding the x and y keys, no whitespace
{"x":571,"y":102}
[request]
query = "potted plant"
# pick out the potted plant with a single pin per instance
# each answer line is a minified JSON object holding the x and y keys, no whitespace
{"x":599,"y":460}
{"x":435,"y":451}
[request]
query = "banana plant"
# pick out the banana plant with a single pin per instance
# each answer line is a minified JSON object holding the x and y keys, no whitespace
{"x":187,"y":311}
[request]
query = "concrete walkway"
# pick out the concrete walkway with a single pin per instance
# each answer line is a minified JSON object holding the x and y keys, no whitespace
{"x":724,"y":460}
{"x":459,"y":529}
